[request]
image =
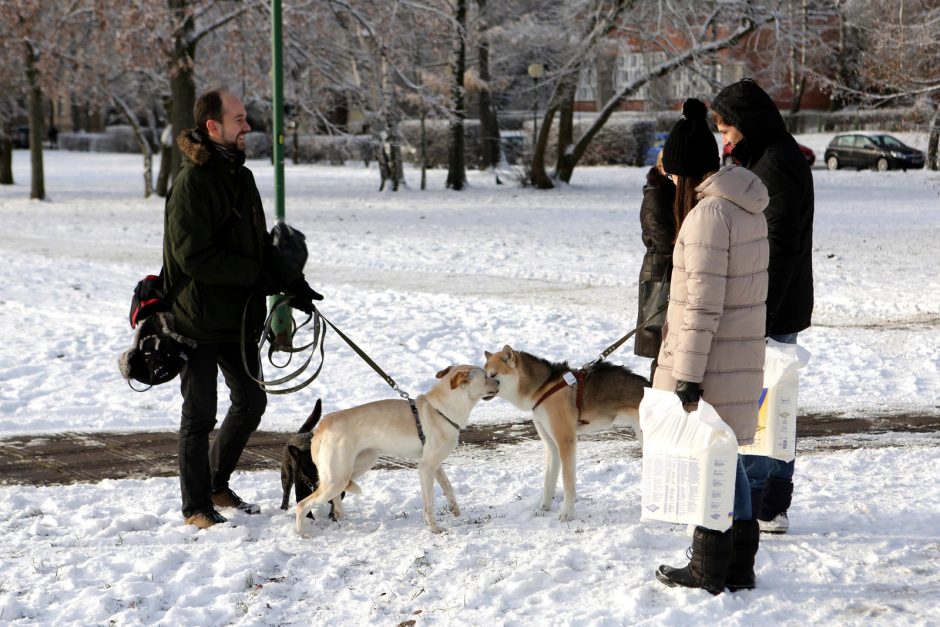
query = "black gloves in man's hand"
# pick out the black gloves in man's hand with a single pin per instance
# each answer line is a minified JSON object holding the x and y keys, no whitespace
{"x":688,"y":393}
{"x":303,"y":295}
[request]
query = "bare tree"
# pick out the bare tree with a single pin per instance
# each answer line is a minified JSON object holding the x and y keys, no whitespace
{"x":45,"y":36}
{"x":685,"y":34}
{"x":11,"y":84}
{"x":893,"y":57}
{"x":457,"y":167}
{"x":190,"y":22}
{"x":489,"y":123}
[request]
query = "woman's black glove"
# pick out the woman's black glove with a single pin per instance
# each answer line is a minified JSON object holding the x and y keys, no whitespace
{"x":689,"y":393}
{"x":303,"y":295}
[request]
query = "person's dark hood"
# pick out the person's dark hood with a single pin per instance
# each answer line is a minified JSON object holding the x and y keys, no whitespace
{"x":747,"y":107}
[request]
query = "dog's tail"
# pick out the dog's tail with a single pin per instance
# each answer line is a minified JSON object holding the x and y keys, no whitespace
{"x":353,"y":488}
{"x":313,"y":419}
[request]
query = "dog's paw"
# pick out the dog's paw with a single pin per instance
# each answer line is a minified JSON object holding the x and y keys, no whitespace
{"x":566,"y":514}
{"x":434,"y":529}
{"x":455,"y":510}
{"x":545,"y":506}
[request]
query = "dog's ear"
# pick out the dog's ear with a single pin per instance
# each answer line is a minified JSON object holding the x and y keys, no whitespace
{"x":443,"y":373}
{"x":508,"y":356}
{"x":487,"y":354}
{"x":459,"y":379}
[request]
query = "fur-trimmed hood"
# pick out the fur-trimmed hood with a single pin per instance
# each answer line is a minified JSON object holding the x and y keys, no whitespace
{"x":196,"y":146}
{"x":192,"y":145}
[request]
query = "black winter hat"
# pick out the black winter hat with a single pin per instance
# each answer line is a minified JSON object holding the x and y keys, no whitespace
{"x":691,"y":149}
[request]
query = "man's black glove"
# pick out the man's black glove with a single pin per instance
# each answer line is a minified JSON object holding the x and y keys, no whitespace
{"x":303,"y":295}
{"x":688,"y":393}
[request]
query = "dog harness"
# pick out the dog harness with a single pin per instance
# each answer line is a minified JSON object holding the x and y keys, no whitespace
{"x":570,"y":379}
{"x":414,"y":412}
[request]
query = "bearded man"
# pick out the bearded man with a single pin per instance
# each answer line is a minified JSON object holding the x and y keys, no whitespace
{"x":217,"y":245}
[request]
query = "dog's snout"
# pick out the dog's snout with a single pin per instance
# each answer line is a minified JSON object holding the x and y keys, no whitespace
{"x":492,"y":388}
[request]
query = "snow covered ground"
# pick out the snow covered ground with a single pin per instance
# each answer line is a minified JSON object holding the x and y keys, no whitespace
{"x":420,"y":280}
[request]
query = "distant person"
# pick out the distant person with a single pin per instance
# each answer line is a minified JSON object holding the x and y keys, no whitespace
{"x":217,"y":244}
{"x":713,"y":348}
{"x":53,"y":137}
{"x":658,"y":232}
{"x":749,"y":120}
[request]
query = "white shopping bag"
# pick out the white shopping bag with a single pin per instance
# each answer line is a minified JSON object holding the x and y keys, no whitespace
{"x":776,"y":418}
{"x":689,"y":463}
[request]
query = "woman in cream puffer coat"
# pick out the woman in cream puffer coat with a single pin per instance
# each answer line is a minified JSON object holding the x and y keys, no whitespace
{"x":713,"y":338}
{"x":714,"y":331}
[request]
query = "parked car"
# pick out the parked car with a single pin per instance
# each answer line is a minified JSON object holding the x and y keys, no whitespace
{"x":653,"y":151}
{"x":871,"y":150}
{"x":726,"y":157}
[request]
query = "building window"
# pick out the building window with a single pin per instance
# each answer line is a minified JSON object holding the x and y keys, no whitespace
{"x":688,"y":82}
{"x":587,"y":85}
{"x":634,"y":65}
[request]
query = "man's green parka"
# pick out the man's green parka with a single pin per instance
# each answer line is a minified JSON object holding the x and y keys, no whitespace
{"x":216,"y":242}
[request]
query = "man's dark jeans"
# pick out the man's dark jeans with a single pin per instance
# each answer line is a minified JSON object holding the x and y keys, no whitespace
{"x":204,"y":470}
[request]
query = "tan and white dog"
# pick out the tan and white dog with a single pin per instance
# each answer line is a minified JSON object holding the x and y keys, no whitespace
{"x":608,"y":395}
{"x":349,"y":442}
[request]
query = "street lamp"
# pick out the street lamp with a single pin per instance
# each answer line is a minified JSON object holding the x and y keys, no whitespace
{"x":536,"y":70}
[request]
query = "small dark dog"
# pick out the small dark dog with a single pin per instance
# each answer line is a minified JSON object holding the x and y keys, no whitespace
{"x":297,"y":467}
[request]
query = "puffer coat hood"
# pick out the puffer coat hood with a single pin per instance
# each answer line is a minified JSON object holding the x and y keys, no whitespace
{"x":714,"y":332}
{"x":737,"y":185}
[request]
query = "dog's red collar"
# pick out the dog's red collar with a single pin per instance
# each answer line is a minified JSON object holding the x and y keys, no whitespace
{"x":579,"y":376}
{"x":549,"y":392}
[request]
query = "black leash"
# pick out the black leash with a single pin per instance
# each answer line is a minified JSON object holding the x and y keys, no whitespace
{"x":619,"y":343}
{"x":319,"y":333}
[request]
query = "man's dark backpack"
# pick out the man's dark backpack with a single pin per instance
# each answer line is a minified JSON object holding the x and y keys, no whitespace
{"x":158,"y":353}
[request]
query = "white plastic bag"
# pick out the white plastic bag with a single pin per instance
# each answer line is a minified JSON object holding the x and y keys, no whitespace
{"x":776,"y":418}
{"x":689,"y":463}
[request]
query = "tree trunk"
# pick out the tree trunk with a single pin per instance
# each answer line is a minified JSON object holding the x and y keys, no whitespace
{"x":489,"y":123}
{"x":933,"y":160}
{"x":796,"y":102}
{"x":537,"y":175}
{"x":568,"y":155}
{"x":36,"y":126}
{"x":564,"y":166}
{"x":142,"y":143}
{"x":424,"y":151}
{"x":392,"y":131}
{"x":457,"y":167}
{"x":6,"y":156}
{"x":182,"y":79}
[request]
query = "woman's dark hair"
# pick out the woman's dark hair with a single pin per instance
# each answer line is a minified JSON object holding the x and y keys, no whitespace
{"x":208,"y":107}
{"x":685,"y":198}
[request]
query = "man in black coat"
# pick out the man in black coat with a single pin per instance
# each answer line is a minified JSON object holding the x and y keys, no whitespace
{"x":218,"y":254}
{"x":748,"y":119}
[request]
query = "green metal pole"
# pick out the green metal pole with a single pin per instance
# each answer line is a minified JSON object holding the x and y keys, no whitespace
{"x":282,"y":322}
